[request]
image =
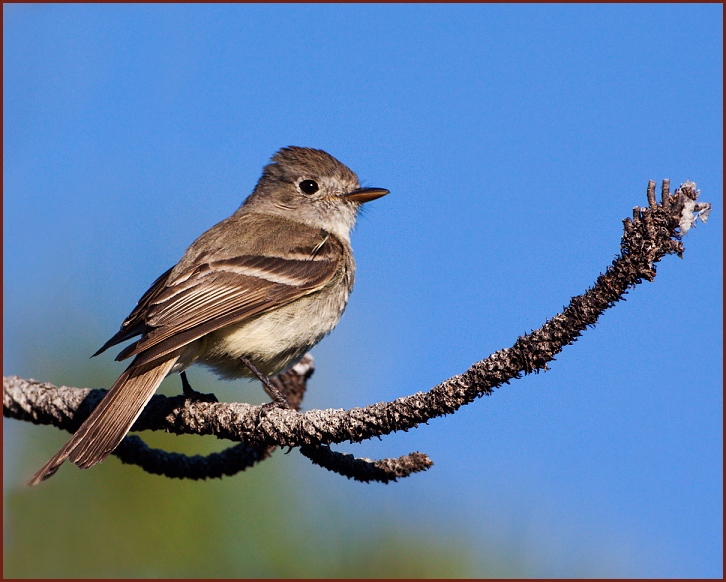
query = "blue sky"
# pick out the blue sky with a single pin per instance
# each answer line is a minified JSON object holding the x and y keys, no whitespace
{"x":513,"y":138}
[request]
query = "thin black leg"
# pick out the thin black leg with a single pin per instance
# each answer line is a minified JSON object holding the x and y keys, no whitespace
{"x":192,"y":394}
{"x":274,"y":393}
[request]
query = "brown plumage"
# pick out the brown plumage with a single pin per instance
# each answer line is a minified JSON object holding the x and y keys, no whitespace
{"x":111,"y":420}
{"x":264,"y":285}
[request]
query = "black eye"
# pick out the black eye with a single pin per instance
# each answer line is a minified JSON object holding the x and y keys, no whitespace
{"x":309,"y":186}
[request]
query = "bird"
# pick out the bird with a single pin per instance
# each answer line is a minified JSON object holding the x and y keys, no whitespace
{"x":248,"y":298}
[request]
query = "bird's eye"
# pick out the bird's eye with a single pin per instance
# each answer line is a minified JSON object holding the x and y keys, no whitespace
{"x":309,"y":186}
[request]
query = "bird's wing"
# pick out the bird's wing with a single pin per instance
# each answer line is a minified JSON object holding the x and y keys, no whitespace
{"x":216,"y":293}
{"x":134,"y":324}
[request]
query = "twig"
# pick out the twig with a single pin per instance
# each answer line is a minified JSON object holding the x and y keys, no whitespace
{"x":652,"y":233}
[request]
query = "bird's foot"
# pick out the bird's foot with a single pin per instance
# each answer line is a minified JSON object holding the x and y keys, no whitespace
{"x":278,"y":398}
{"x":192,"y":394}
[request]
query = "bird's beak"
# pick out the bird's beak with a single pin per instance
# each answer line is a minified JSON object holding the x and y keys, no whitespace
{"x":362,"y":195}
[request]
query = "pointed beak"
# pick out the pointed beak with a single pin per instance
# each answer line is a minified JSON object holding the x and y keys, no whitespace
{"x":362,"y":195}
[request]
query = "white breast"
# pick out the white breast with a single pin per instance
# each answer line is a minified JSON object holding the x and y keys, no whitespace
{"x":275,"y":340}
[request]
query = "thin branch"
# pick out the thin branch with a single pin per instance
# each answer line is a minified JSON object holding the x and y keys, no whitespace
{"x":652,"y":233}
{"x":67,"y":408}
{"x":366,"y":470}
{"x":133,"y":451}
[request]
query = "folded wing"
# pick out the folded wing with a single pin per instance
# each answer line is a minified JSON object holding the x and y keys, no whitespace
{"x":182,"y":307}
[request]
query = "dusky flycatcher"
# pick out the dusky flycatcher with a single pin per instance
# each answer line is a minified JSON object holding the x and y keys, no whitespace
{"x":249,"y":297}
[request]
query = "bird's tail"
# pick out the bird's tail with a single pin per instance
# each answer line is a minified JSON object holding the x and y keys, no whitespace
{"x":107,"y":425}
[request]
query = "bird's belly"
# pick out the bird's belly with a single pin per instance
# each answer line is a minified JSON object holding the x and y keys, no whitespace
{"x":273,"y":341}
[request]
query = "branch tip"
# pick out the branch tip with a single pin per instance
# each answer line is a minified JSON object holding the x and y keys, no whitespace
{"x":652,"y":233}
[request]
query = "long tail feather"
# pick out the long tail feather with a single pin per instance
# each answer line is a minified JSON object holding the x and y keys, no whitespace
{"x":107,"y":425}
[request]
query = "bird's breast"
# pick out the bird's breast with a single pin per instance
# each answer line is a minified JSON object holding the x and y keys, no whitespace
{"x":276,"y":339}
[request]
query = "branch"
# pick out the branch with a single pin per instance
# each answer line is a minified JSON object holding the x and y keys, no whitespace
{"x":652,"y":233}
{"x":67,"y":408}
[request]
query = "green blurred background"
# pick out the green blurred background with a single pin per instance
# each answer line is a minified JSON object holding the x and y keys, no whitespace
{"x":281,"y":518}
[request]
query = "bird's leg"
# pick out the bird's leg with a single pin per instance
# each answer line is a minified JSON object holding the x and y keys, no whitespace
{"x":192,"y":394}
{"x":277,"y":396}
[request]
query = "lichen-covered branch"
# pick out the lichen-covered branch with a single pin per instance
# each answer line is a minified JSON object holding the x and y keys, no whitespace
{"x":133,"y":451}
{"x":67,"y":408}
{"x":652,"y":233}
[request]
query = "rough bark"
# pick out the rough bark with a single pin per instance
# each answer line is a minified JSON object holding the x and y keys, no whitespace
{"x":652,"y":233}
